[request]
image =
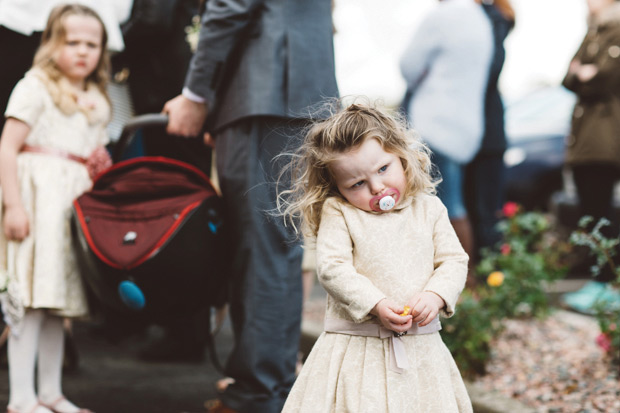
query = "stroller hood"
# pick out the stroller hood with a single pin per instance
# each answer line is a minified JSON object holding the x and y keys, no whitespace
{"x":136,"y":206}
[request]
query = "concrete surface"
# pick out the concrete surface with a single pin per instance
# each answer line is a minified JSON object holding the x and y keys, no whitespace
{"x":111,"y":379}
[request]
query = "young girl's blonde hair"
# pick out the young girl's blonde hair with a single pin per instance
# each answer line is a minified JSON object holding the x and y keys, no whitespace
{"x":346,"y":129}
{"x":54,"y":36}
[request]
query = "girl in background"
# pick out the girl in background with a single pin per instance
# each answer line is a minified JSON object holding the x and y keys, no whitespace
{"x":53,"y":137}
{"x":390,"y":261}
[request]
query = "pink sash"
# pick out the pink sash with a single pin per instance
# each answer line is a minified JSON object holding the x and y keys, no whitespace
{"x":398,"y":356}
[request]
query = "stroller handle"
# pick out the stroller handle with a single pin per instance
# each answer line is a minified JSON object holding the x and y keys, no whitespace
{"x":130,"y":128}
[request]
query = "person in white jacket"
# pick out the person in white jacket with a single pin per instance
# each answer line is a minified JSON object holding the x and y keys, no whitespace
{"x":446,"y":68}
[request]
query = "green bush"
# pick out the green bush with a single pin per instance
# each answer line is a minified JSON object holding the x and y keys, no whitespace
{"x":516,"y":272}
{"x":604,"y":249}
{"x":469,"y":333}
{"x":529,"y":258}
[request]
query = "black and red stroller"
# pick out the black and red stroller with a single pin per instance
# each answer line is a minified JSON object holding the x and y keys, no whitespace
{"x":149,"y":234}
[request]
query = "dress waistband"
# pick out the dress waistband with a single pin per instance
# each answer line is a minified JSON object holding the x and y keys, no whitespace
{"x":55,"y":152}
{"x":398,"y":356}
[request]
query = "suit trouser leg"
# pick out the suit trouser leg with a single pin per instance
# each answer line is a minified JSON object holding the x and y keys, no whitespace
{"x":266,"y":293}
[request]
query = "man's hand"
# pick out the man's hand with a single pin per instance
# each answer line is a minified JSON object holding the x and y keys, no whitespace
{"x":425,"y":306}
{"x":185,"y":117}
{"x":389,"y":315}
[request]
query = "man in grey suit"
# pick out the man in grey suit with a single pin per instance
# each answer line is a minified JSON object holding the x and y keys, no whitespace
{"x":259,"y":67}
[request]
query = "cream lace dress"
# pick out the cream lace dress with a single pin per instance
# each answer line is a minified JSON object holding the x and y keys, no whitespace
{"x":40,"y":271}
{"x":363,"y":257}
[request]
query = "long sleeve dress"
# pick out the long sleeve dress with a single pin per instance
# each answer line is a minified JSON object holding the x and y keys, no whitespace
{"x":362,"y":258}
{"x":41,"y":271}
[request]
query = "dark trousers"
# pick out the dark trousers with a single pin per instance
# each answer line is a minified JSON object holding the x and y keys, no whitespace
{"x":19,"y":52}
{"x":266,"y":291}
{"x":484,"y":196}
{"x":595,"y":189}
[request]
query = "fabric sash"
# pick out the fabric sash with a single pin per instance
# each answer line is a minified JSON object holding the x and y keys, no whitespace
{"x":398,"y":356}
{"x":54,"y":152}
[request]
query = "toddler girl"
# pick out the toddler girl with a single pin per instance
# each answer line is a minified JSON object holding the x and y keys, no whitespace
{"x":56,"y":119}
{"x":390,"y":262}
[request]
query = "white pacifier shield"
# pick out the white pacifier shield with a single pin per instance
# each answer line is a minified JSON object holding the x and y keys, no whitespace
{"x":386,"y":203}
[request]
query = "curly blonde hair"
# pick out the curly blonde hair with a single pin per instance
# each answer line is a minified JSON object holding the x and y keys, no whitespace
{"x":346,"y":129}
{"x":53,"y":38}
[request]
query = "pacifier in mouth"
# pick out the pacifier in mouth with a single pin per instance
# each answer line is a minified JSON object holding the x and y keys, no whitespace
{"x":386,"y":201}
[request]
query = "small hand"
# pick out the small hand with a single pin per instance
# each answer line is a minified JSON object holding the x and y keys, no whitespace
{"x":587,"y":72}
{"x":185,"y":117}
{"x":390,"y":317}
{"x":574,"y":66}
{"x":16,"y":225}
{"x":425,"y":306}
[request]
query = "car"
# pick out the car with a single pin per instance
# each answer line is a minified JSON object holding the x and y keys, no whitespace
{"x":536,"y":126}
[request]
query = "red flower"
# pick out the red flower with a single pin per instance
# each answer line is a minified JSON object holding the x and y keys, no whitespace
{"x":510,"y":209}
{"x":603,"y":341}
{"x":505,"y":249}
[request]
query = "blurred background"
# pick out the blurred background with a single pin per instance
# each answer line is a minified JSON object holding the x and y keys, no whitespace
{"x":371,"y":36}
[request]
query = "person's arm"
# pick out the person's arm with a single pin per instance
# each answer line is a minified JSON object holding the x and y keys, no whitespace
{"x":15,"y":222}
{"x":335,"y":270}
{"x":450,"y":262}
{"x":224,"y":24}
{"x":596,"y":78}
{"x":420,"y":53}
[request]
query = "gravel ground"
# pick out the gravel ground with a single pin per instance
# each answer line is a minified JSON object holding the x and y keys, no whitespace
{"x":552,"y":365}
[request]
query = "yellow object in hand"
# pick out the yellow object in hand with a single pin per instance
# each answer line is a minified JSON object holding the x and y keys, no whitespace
{"x":406,"y":311}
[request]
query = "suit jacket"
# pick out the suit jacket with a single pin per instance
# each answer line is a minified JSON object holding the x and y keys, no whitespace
{"x":263,"y":57}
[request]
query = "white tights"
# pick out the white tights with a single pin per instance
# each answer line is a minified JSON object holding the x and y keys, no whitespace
{"x":41,"y":339}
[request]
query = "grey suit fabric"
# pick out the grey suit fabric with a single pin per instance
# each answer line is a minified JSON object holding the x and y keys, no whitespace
{"x":266,"y":291}
{"x":262,"y":67}
{"x":264,"y":57}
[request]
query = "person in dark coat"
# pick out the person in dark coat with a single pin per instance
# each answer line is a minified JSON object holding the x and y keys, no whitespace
{"x":484,"y":175}
{"x":259,"y":67}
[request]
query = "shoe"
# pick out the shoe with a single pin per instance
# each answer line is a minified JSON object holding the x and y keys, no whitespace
{"x":222,"y":384}
{"x":56,"y":407}
{"x":37,"y":407}
{"x":583,"y":300}
{"x":216,"y":406}
{"x":610,"y":298}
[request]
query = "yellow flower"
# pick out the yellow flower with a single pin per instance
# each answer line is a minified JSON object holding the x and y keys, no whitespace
{"x":495,"y":279}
